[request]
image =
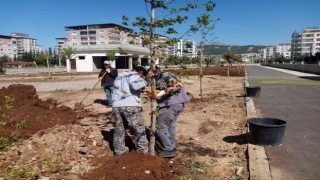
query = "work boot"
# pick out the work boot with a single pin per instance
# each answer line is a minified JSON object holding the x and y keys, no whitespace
{"x":125,"y":151}
{"x":167,"y":154}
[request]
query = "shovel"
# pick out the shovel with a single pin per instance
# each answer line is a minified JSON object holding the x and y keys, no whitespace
{"x":79,"y":105}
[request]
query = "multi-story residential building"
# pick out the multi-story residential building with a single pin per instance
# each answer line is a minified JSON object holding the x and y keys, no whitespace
{"x":276,"y":51}
{"x":283,"y":50}
{"x":24,"y":44}
{"x":267,"y":53}
{"x":91,"y":42}
{"x":184,"y":48}
{"x":305,"y":43}
{"x":94,"y":34}
{"x":58,"y":48}
{"x":8,"y":47}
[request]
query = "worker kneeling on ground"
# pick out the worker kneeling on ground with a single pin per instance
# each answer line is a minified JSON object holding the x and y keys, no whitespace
{"x":127,"y":110}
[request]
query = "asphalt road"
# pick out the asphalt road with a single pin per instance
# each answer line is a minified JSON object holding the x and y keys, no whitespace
{"x":295,"y":99}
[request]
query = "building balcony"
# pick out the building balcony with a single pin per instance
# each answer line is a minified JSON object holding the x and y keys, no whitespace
{"x":114,"y":35}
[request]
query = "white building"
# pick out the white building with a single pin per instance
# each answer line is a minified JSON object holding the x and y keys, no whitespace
{"x":305,"y":43}
{"x":283,"y":50}
{"x":24,"y":44}
{"x":184,"y":48}
{"x":92,"y":42}
{"x":276,"y":51}
{"x":267,"y":53}
{"x":8,"y":47}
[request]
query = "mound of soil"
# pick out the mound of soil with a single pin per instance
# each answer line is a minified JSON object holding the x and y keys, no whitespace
{"x":211,"y":70}
{"x":23,"y":113}
{"x":136,"y":166}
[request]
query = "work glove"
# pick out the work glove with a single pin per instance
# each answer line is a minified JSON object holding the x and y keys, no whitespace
{"x":156,"y":94}
{"x":108,"y":70}
{"x":100,"y":78}
{"x":153,"y":95}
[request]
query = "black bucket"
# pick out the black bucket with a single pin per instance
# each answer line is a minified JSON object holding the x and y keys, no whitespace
{"x":253,"y":91}
{"x":266,"y":131}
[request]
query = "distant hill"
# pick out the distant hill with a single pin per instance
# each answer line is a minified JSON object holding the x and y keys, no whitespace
{"x":220,"y":49}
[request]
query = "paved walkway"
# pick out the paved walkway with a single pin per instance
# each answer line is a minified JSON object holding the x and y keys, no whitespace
{"x":294,"y":98}
{"x":73,"y":85}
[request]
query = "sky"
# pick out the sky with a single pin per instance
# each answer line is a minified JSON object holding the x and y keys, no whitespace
{"x":242,"y":22}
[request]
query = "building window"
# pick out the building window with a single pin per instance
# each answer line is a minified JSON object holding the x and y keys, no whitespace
{"x":82,"y":57}
{"x":84,"y":38}
{"x":92,"y":43}
{"x":92,"y":32}
{"x":102,"y":43}
{"x":101,"y":37}
{"x":74,"y":38}
{"x":83,"y":32}
{"x":74,"y":33}
{"x":101,"y":31}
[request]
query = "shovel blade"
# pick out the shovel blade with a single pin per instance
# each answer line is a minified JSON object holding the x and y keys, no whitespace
{"x":78,"y":106}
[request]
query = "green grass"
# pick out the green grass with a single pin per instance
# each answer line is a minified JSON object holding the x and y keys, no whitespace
{"x":19,"y":172}
{"x":21,"y":124}
{"x":195,"y":166}
{"x":61,"y":90}
{"x":4,"y":143}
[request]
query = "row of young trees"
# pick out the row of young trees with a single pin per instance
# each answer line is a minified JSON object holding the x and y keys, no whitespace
{"x":44,"y":58}
{"x":314,"y":59}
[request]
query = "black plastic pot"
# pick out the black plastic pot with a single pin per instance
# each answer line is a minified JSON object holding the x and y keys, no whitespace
{"x":266,"y":131}
{"x":253,"y":91}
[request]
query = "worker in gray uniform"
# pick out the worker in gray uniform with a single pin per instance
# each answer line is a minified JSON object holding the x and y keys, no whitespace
{"x":170,"y":97}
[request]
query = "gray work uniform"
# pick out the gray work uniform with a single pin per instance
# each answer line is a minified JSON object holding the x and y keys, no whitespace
{"x":127,"y":110}
{"x":170,"y":107}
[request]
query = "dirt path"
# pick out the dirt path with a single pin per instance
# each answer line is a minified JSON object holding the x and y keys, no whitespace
{"x":211,"y":144}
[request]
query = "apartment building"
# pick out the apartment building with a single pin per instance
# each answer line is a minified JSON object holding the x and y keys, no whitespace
{"x":267,"y":53}
{"x":8,"y":47}
{"x":184,"y":48}
{"x":24,"y":44}
{"x":91,"y":42}
{"x":58,"y":49}
{"x":276,"y":51}
{"x":283,"y":50}
{"x":305,"y":43}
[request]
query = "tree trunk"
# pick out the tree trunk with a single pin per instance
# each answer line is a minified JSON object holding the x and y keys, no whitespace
{"x":153,"y":86}
{"x":228,"y":69}
{"x":48,"y":68}
{"x":201,"y":72}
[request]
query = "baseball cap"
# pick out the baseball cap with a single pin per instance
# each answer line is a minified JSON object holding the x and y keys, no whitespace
{"x":106,"y":62}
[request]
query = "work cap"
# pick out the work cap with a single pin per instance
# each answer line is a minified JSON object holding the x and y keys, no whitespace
{"x":106,"y":62}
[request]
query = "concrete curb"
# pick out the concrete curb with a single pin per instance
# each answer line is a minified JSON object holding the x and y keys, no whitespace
{"x":258,"y":162}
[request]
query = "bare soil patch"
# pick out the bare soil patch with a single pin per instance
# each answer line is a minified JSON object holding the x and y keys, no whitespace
{"x":66,"y":144}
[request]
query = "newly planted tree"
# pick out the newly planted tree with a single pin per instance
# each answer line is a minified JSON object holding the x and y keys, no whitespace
{"x":111,"y":55}
{"x":45,"y":57}
{"x":163,"y":24}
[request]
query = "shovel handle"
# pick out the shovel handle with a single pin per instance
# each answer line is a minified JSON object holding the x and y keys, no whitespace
{"x":93,"y":88}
